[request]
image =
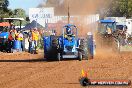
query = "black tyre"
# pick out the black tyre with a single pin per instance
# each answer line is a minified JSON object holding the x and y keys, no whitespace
{"x":54,"y":41}
{"x":80,"y":56}
{"x":85,"y":81}
{"x":54,"y":48}
{"x":86,"y":54}
{"x":83,"y":48}
{"x":58,"y":57}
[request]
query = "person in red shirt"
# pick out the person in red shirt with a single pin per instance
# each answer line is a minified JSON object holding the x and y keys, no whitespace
{"x":10,"y":41}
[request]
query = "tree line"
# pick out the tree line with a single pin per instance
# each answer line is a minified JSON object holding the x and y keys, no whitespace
{"x":6,"y":12}
{"x":119,"y":8}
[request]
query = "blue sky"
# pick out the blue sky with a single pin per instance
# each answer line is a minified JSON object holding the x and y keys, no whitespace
{"x":24,"y":4}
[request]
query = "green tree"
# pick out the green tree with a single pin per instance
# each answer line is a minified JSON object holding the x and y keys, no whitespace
{"x":120,"y":8}
{"x":4,"y":11}
{"x":4,"y":3}
{"x":19,"y":13}
{"x":129,"y":8}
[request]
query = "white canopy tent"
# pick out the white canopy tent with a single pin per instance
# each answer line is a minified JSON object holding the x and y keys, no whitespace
{"x":19,"y":19}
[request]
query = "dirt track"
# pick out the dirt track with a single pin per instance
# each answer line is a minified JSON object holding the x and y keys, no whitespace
{"x":23,"y":70}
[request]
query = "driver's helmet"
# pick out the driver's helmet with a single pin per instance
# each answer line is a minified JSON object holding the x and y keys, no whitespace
{"x":68,"y":30}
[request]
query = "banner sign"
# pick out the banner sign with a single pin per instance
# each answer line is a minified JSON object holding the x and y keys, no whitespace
{"x":41,"y":13}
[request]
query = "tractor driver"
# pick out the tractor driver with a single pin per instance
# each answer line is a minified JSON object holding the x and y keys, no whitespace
{"x":68,"y":31}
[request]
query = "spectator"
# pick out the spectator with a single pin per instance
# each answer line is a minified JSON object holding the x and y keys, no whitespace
{"x":30,"y":39}
{"x":35,"y":38}
{"x":10,"y":40}
{"x":13,"y":33}
{"x":19,"y":36}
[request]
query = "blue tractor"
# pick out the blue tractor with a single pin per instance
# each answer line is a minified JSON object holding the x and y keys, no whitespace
{"x":4,"y":41}
{"x":106,"y":27}
{"x":68,"y":45}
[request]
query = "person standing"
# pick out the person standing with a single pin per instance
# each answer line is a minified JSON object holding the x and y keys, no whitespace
{"x":35,"y":38}
{"x":10,"y":41}
{"x":30,"y":40}
{"x":19,"y":37}
{"x":13,"y":33}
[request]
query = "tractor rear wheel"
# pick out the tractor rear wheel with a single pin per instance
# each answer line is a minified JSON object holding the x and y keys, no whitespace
{"x":86,"y":54}
{"x":83,"y":48}
{"x":54,"y":41}
{"x":80,"y":56}
{"x":58,"y":57}
{"x":54,"y":48}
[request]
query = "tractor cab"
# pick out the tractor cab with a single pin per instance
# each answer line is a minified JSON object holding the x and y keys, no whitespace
{"x":70,"y":30}
{"x":106,"y":27}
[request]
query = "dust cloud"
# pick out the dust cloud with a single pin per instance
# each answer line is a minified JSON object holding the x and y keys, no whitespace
{"x":77,"y":7}
{"x":80,"y":8}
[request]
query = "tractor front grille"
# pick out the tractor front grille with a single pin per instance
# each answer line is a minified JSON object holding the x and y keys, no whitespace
{"x":69,"y":53}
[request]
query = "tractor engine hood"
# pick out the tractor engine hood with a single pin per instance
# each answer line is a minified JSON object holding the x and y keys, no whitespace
{"x":4,"y":35}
